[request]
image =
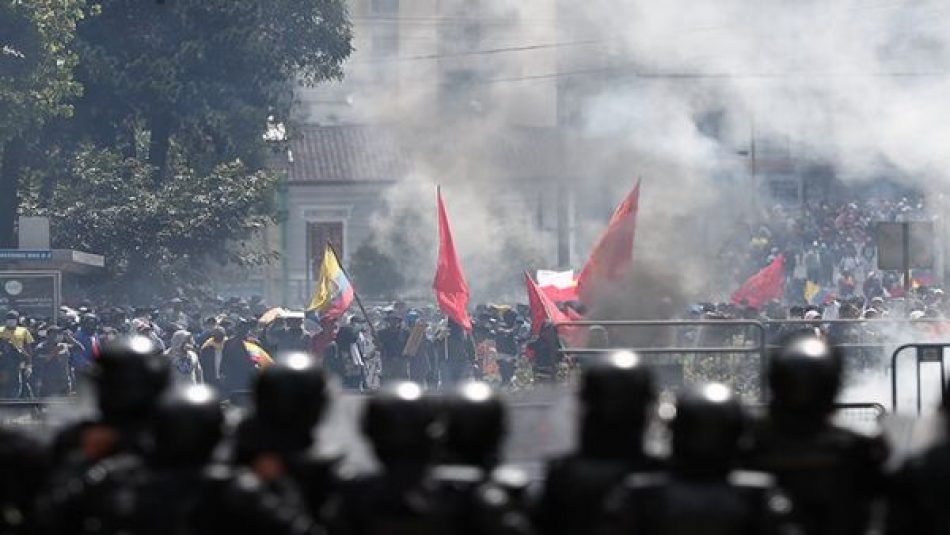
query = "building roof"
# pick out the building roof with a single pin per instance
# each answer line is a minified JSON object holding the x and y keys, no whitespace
{"x":377,"y":153}
{"x":347,"y":154}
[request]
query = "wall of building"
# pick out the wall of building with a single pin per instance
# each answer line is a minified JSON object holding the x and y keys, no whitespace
{"x":352,"y":205}
{"x":421,"y":60}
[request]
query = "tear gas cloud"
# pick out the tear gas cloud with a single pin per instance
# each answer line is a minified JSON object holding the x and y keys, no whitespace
{"x":672,"y":92}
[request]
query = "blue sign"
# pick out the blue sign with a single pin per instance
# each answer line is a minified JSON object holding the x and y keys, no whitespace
{"x":21,"y":254}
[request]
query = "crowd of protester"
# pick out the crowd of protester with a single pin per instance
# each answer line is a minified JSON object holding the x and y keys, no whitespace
{"x":223,"y":344}
{"x":161,"y":457}
{"x":397,"y":342}
{"x":824,"y":242}
{"x":830,"y":261}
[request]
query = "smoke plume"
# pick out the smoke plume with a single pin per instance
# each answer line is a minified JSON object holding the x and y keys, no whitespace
{"x":676,"y":93}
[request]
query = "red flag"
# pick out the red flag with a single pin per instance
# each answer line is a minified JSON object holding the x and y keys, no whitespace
{"x":559,"y":286}
{"x":542,"y":308}
{"x":767,"y":284}
{"x":451,"y":290}
{"x":612,"y":255}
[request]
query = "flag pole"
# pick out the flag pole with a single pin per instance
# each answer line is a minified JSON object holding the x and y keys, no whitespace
{"x":356,"y":295}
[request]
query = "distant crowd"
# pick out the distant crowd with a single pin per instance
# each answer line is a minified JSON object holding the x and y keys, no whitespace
{"x":225,"y":348}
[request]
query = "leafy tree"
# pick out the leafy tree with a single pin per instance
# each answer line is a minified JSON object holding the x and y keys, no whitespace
{"x":183,"y":85}
{"x":154,"y":240}
{"x":36,"y":83}
{"x":203,"y":73}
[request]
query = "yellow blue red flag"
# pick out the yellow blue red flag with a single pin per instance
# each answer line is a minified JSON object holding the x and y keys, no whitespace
{"x":333,"y":294}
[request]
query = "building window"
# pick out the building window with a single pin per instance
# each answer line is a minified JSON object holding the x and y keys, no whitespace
{"x":385,"y":7}
{"x":318,"y":234}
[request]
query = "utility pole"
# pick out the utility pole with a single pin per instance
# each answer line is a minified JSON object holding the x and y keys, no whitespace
{"x":563,"y":225}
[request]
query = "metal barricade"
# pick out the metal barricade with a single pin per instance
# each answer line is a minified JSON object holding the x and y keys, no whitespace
{"x":758,"y":349}
{"x":923,"y":353}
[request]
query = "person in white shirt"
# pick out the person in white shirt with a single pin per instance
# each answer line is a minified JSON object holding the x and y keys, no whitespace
{"x":185,"y":367}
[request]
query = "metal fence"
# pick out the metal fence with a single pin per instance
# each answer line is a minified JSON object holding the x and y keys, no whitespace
{"x":923,"y":353}
{"x":865,"y":343}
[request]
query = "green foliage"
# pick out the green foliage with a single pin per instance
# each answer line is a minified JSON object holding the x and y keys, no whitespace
{"x":156,"y":161}
{"x":36,"y":62}
{"x":205,"y":72}
{"x":106,"y":205}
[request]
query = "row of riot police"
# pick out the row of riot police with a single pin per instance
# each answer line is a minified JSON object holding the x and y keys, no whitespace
{"x":157,"y":461}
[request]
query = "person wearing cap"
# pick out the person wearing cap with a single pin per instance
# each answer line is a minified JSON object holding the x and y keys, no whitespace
{"x":18,"y":336}
{"x":22,"y":341}
{"x":144,"y":327}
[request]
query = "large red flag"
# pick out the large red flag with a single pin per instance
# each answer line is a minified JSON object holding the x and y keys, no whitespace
{"x":451,"y":290}
{"x":612,"y":255}
{"x":767,"y":284}
{"x":542,"y":308}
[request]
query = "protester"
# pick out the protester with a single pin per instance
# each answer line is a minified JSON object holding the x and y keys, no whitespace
{"x":392,"y":340}
{"x":51,"y":374}
{"x":183,"y":361}
{"x":211,"y":356}
{"x":19,"y":336}
{"x":237,"y":367}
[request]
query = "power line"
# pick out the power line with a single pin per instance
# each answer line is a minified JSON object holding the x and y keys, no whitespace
{"x":484,"y":52}
{"x":686,"y":75}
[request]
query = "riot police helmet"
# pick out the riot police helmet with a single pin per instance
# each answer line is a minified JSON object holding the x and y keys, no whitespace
{"x":131,"y":375}
{"x":706,"y":429}
{"x":399,"y":423}
{"x":473,"y":425}
{"x":804,"y":376}
{"x":291,"y":393}
{"x":187,"y":425}
{"x":611,"y":385}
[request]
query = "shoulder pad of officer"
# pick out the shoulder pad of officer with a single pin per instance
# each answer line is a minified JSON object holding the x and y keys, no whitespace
{"x":752,"y":479}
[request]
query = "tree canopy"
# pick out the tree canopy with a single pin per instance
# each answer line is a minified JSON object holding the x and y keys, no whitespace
{"x":157,"y":239}
{"x":137,"y":126}
{"x":36,"y":62}
{"x":206,"y":73}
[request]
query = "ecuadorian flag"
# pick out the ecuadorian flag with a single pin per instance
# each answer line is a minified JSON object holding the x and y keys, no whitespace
{"x":815,"y":294}
{"x":333,"y":293}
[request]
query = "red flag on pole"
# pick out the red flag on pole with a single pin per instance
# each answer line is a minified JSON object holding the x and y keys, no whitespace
{"x":559,"y":286}
{"x":451,"y":290}
{"x":767,"y":284}
{"x":542,"y":308}
{"x":612,"y":255}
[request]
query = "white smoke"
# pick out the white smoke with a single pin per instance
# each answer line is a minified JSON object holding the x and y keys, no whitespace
{"x":674,"y":92}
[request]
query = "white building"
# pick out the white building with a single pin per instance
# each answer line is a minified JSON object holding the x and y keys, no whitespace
{"x":423,"y":72}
